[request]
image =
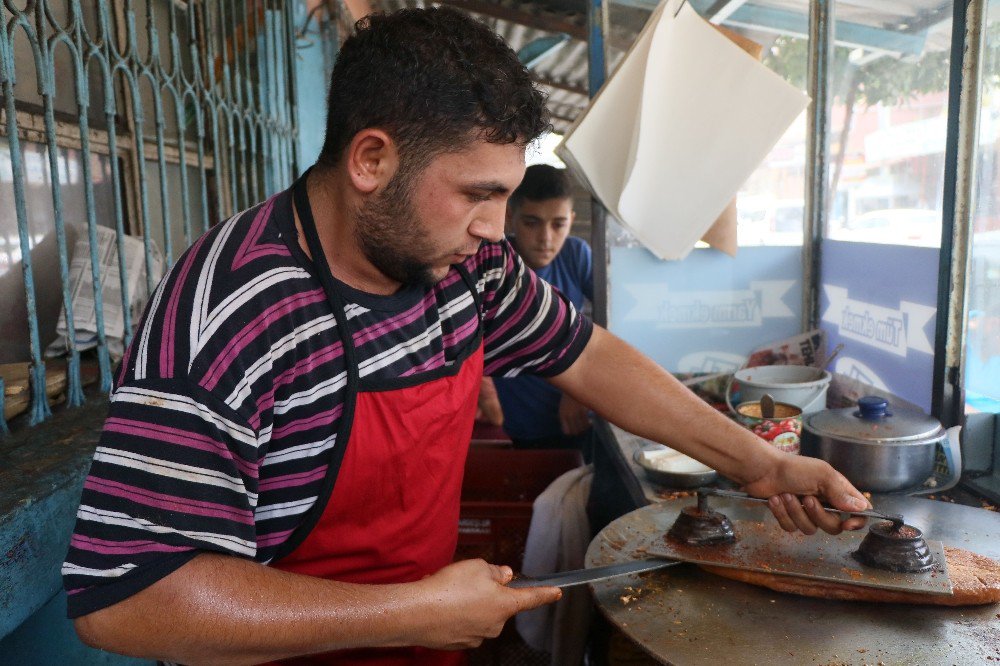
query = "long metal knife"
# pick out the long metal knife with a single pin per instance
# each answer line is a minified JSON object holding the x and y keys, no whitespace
{"x":581,"y":576}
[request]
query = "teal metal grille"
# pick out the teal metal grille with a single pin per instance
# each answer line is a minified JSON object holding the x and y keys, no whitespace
{"x":204,"y":91}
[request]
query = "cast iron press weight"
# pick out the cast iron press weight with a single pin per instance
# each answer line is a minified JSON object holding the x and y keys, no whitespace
{"x":895,"y":547}
{"x":890,"y":544}
{"x":700,"y":525}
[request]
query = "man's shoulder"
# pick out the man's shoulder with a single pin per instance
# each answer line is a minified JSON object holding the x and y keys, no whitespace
{"x":576,"y":245}
{"x":238,"y":281}
{"x":237,"y":251}
{"x":575,"y":253}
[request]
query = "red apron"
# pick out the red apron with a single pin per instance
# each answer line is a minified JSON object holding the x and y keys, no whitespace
{"x":393,"y":513}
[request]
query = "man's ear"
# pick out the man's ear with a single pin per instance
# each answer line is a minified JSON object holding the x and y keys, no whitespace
{"x":372,"y":160}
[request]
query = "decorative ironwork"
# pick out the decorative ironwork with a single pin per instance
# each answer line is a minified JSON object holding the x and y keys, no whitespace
{"x":226,"y":68}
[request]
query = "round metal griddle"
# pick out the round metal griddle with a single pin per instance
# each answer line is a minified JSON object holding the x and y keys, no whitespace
{"x":682,"y":615}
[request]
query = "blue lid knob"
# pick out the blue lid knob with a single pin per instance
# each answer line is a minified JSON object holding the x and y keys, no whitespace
{"x":873,"y":407}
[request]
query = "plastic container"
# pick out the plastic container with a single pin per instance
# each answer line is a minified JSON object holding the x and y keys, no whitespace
{"x":797,"y":385}
{"x":499,"y":488}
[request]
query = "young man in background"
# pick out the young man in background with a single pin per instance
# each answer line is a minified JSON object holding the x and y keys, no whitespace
{"x":539,"y":220}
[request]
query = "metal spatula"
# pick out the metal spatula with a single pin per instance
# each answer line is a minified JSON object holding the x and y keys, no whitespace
{"x":895,"y":518}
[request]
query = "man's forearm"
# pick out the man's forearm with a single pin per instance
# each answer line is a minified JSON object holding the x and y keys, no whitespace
{"x":224,"y":610}
{"x":630,"y":390}
{"x":219,"y":609}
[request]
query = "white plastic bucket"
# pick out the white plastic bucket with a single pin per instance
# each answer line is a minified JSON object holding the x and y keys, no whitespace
{"x":796,"y":385}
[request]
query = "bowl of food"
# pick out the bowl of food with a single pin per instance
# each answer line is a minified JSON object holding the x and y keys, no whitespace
{"x":673,"y":469}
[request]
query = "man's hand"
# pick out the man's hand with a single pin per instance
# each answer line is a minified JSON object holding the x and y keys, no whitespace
{"x":488,"y":409}
{"x":795,"y":486}
{"x":469,"y":602}
{"x":574,"y":418}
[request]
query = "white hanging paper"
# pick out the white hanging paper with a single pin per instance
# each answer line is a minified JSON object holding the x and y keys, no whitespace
{"x":678,"y":128}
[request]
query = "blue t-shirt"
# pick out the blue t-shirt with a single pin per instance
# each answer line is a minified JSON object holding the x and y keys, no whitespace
{"x":531,"y":405}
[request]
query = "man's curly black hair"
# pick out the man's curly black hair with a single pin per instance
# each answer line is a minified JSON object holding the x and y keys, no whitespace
{"x":434,"y":80}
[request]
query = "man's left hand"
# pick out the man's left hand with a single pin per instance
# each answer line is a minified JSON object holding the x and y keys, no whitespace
{"x":795,"y":488}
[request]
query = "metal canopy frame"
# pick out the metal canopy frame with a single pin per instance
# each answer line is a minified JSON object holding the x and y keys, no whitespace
{"x":909,"y":38}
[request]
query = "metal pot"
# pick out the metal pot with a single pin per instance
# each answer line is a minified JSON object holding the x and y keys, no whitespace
{"x":882,"y":450}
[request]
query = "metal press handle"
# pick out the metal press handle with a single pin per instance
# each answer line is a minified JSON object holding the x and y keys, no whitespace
{"x":895,"y":518}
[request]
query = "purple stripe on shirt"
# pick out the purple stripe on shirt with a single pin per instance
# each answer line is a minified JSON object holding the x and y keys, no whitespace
{"x":254,"y":329}
{"x":460,"y":333}
{"x":107,"y":547}
{"x":435,"y":361}
{"x":527,"y":301}
{"x":188,"y":438}
{"x":249,"y":248}
{"x":303,"y":367}
{"x":313,"y":421}
{"x":170,"y":316}
{"x":539,"y":343}
{"x":274,"y":538}
{"x":409,"y":316}
{"x":167,"y":502}
{"x":292,"y":480}
{"x":394,"y":323}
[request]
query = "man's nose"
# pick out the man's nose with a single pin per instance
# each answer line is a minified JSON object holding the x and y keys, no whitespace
{"x":489,"y":227}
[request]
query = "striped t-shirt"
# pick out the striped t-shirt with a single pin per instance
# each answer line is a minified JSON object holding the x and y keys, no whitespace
{"x":225,"y":410}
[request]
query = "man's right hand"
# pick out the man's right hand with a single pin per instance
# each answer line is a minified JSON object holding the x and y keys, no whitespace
{"x":469,"y":601}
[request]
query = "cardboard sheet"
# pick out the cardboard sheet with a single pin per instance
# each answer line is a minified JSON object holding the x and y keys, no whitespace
{"x":677,"y":129}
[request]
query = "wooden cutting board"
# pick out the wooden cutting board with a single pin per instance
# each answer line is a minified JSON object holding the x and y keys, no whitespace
{"x":975,"y":580}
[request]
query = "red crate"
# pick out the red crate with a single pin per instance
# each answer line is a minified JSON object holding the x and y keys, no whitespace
{"x":498,"y":490}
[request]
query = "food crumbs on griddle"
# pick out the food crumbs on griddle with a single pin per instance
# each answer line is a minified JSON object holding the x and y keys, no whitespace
{"x":673,"y":494}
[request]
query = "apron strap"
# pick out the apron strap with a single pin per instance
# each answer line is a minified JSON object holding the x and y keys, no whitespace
{"x":300,"y":198}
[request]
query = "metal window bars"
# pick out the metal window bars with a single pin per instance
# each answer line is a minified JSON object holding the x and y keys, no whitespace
{"x":232,"y":77}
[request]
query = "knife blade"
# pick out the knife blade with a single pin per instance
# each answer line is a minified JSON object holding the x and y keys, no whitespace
{"x":581,"y":576}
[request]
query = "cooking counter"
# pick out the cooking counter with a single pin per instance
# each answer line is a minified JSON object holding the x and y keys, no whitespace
{"x":683,"y":615}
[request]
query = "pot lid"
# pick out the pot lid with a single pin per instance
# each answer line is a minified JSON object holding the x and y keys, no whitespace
{"x":874,"y":421}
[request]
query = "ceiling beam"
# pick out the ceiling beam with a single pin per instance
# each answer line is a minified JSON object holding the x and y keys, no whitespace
{"x":562,"y":118}
{"x":561,"y":85}
{"x":547,"y":22}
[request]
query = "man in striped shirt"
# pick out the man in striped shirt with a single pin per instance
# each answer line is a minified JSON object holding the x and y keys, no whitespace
{"x":280,"y":469}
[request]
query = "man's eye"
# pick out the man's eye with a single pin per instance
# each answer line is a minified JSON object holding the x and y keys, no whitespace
{"x":478,"y":198}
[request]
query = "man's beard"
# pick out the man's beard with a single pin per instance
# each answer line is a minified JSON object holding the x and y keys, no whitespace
{"x":391,"y":237}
